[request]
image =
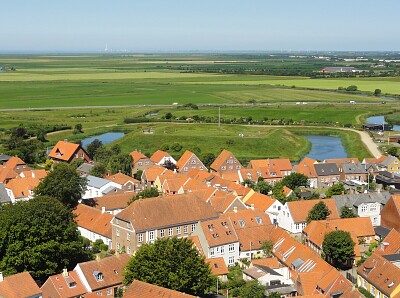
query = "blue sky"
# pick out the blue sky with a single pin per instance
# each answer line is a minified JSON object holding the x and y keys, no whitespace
{"x":186,"y":25}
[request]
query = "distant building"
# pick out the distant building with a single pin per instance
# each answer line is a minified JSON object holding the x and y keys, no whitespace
{"x":339,"y":69}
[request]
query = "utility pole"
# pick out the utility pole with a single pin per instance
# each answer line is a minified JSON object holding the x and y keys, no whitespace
{"x":219,"y":117}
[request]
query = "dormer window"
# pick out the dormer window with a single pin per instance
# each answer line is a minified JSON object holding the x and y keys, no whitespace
{"x":98,"y":275}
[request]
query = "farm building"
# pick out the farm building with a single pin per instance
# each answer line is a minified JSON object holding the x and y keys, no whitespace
{"x":339,"y":69}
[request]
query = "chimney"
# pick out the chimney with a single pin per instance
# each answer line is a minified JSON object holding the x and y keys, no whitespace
{"x":1,"y":276}
{"x":327,"y":224}
{"x":103,"y":209}
{"x":65,"y":272}
{"x":98,"y":257}
{"x":65,"y":140}
{"x":252,"y":207}
{"x":235,"y":209}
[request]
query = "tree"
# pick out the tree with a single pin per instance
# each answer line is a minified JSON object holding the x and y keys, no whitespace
{"x":39,"y":236}
{"x":377,"y":92}
{"x":347,"y":212}
{"x":63,"y":184}
{"x":169,"y":165}
{"x":336,"y":189}
{"x":41,"y":134}
{"x":93,"y":147}
{"x":98,"y":170}
{"x":138,"y":175}
{"x":168,"y":116}
{"x":121,"y":163}
{"x":392,"y":151}
{"x":263,"y":187}
{"x":295,"y":180}
{"x":78,"y":128}
{"x":171,"y":263}
{"x":274,"y":295}
{"x":319,"y":212}
{"x":338,"y":247}
{"x":352,"y":88}
{"x":151,"y":192}
{"x":277,"y":192}
{"x":267,"y":246}
{"x":252,"y":290}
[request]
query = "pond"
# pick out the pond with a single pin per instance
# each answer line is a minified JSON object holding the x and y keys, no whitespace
{"x":326,"y":147}
{"x":380,"y":120}
{"x":105,"y":138}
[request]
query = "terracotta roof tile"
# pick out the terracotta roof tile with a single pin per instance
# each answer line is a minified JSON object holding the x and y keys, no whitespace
{"x":391,"y":244}
{"x":218,"y":266}
{"x":218,"y":232}
{"x":299,"y":209}
{"x":340,"y":161}
{"x":112,"y":201}
{"x":221,"y":158}
{"x":40,"y":174}
{"x":184,"y":159}
{"x":272,"y":262}
{"x":281,"y":164}
{"x":62,"y":286}
{"x":22,"y":187}
{"x":222,"y":202}
{"x":230,"y":175}
{"x":93,"y":220}
{"x":251,"y":238}
{"x":122,"y":178}
{"x":196,"y":244}
{"x":13,"y":162}
{"x":7,"y":174}
{"x":260,"y":201}
{"x":111,"y":269}
{"x":159,"y":155}
{"x":306,"y":167}
{"x":136,"y":155}
{"x":19,"y":285}
{"x":166,"y":211}
{"x":174,"y":184}
{"x":152,"y":173}
{"x":341,"y":284}
{"x":251,"y":174}
{"x":139,"y":289}
{"x":308,"y":281}
{"x":63,"y":150}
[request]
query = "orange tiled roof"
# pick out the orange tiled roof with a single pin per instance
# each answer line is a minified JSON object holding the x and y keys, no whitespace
{"x":93,"y":220}
{"x":252,"y":237}
{"x":59,"y":284}
{"x":18,"y":286}
{"x":110,"y":267}
{"x":306,"y":167}
{"x":6,"y":174}
{"x":218,"y":232}
{"x":22,"y":187}
{"x":40,"y":174}
{"x":286,"y":190}
{"x":341,"y":284}
{"x":377,"y":160}
{"x":112,"y":201}
{"x":184,"y":159}
{"x":139,"y":289}
{"x":196,"y":244}
{"x":221,"y":158}
{"x":281,"y":164}
{"x":239,"y":190}
{"x":153,"y":172}
{"x":340,"y":161}
{"x":223,"y":201}
{"x":174,"y":184}
{"x":308,"y":281}
{"x":391,"y":244}
{"x":272,"y":262}
{"x":260,"y":201}
{"x":230,"y":175}
{"x":136,"y":155}
{"x":63,"y":150}
{"x":251,"y":174}
{"x":121,"y":178}
{"x":13,"y":162}
{"x":299,"y":209}
{"x":218,"y":266}
{"x":159,"y":155}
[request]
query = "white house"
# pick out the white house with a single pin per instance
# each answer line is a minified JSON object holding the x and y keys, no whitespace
{"x":364,"y":204}
{"x":293,"y":215}
{"x":269,"y":205}
{"x":98,"y":187}
{"x":267,"y":272}
{"x":161,"y":158}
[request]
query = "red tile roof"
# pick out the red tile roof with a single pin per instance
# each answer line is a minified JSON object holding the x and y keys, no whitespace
{"x":7,"y":174}
{"x":136,"y":155}
{"x":112,"y":201}
{"x":122,"y":178}
{"x":19,"y":285}
{"x":281,"y":164}
{"x":300,"y":209}
{"x":63,"y":150}
{"x":184,"y":159}
{"x":61,"y":286}
{"x":260,"y":201}
{"x":391,"y":244}
{"x":218,"y":232}
{"x":21,"y":187}
{"x":93,"y":220}
{"x":159,"y":155}
{"x":139,"y":289}
{"x":13,"y":162}
{"x":218,"y":266}
{"x":306,"y":167}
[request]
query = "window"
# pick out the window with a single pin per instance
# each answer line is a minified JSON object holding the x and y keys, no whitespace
{"x":372,"y":207}
{"x":185,"y":169}
{"x":146,"y":163}
{"x":231,"y":261}
{"x":162,"y":233}
{"x":140,"y":163}
{"x":211,"y":251}
{"x":129,"y":250}
{"x":193,"y":161}
{"x":230,"y":167}
{"x":231,"y":247}
{"x":117,"y":232}
{"x":118,"y":246}
{"x":185,"y":229}
{"x":364,"y":208}
{"x":109,"y":292}
{"x":140,"y":237}
{"x":193,"y":227}
{"x":178,"y":230}
{"x":222,"y":249}
{"x":82,"y":155}
{"x":151,"y":235}
{"x":128,"y":236}
{"x":99,"y":294}
{"x":238,"y":167}
{"x":170,"y":232}
{"x":297,"y":226}
{"x":223,"y":168}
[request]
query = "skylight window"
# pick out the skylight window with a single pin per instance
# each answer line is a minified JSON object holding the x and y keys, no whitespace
{"x":242,"y":223}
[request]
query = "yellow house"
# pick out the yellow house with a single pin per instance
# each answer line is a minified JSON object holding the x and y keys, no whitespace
{"x":380,"y":276}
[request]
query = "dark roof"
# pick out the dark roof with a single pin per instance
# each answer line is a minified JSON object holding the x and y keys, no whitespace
{"x":267,"y":270}
{"x":297,"y":263}
{"x":86,"y":167}
{"x":353,"y":168}
{"x":4,"y":198}
{"x":281,"y":289}
{"x":4,"y":157}
{"x":392,"y":258}
{"x":381,"y":231}
{"x":326,"y":169}
{"x":355,"y":200}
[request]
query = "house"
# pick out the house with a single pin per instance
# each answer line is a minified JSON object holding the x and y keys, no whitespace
{"x":161,"y":158}
{"x":149,"y":176}
{"x":223,"y":201}
{"x":7,"y":174}
{"x":388,"y":179}
{"x":40,"y":174}
{"x":390,"y":214}
{"x":340,"y":161}
{"x":21,"y":189}
{"x":93,"y":224}
{"x":4,"y":197}
{"x":283,"y":166}
{"x":360,"y":229}
{"x":225,"y":161}
{"x":111,"y":203}
{"x":328,"y":174}
{"x":103,"y":276}
{"x":140,"y":161}
{"x":364,"y":204}
{"x":380,"y":275}
{"x":97,"y":187}
{"x":140,"y":289}
{"x":188,"y":162}
{"x":390,"y":245}
{"x":86,"y":167}
{"x":268,"y":272}
{"x":293,"y":215}
{"x":65,"y":151}
{"x":159,"y":217}
{"x":218,"y":268}
{"x":335,"y":69}
{"x":270,"y":206}
{"x":174,"y":185}
{"x":354,"y":172}
{"x":16,"y":164}
{"x":64,"y":285}
{"x":20,"y":285}
{"x":128,"y":183}
{"x":306,"y":167}
{"x":390,"y":164}
{"x":248,"y":174}
{"x":4,"y":158}
{"x":218,"y":240}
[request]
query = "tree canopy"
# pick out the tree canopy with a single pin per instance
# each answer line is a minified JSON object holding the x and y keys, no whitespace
{"x":319,"y":212}
{"x":252,"y":290}
{"x":347,"y":212}
{"x":295,"y":180}
{"x":336,"y":189}
{"x":63,"y":184}
{"x":93,"y":146}
{"x":121,"y":163}
{"x":171,"y":263}
{"x":338,"y":247}
{"x":39,"y":236}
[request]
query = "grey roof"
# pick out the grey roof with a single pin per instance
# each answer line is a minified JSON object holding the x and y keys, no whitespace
{"x":381,"y":231}
{"x":353,"y":168}
{"x":297,"y":263}
{"x":108,"y":189}
{"x":281,"y":289}
{"x":4,"y":198}
{"x":326,"y":169}
{"x":340,"y":69}
{"x":355,"y":200}
{"x":388,"y":160}
{"x":268,"y":270}
{"x":392,"y":258}
{"x":4,"y":157}
{"x":86,"y":167}
{"x":97,"y":182}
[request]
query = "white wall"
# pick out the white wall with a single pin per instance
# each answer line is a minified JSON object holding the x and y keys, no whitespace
{"x":371,"y":210}
{"x":94,"y":236}
{"x":223,"y":251}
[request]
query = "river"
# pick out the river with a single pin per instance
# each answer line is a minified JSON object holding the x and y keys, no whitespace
{"x":105,"y":138}
{"x":326,"y":147}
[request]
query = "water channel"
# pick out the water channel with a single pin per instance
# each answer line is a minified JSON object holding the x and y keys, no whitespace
{"x":380,"y":120}
{"x":326,"y":147}
{"x":105,"y":138}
